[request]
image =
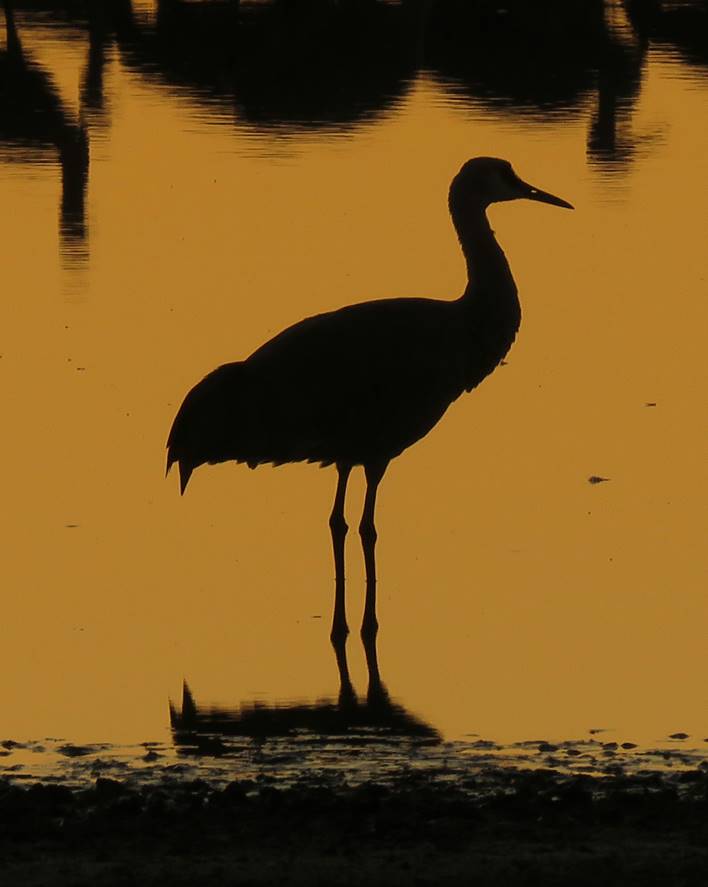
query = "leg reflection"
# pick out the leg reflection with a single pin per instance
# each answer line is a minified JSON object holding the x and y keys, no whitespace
{"x":347,"y":694}
{"x":377,"y":694}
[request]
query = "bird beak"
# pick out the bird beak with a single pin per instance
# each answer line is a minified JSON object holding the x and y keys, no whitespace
{"x":531,"y":193}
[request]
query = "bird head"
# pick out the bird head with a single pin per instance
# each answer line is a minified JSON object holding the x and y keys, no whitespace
{"x":485,"y":180}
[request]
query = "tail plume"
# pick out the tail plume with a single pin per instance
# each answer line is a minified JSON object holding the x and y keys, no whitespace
{"x":185,"y":472}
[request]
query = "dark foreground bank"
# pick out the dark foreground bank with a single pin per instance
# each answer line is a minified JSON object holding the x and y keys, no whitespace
{"x":503,"y":827}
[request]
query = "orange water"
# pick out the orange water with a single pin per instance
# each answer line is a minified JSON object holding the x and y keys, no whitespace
{"x":515,"y":598}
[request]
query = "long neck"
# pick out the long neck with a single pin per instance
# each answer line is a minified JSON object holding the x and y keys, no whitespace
{"x":489,"y":310}
{"x":488,"y":273}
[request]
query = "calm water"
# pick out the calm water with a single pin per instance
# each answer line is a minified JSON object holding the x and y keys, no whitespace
{"x":172,"y":196}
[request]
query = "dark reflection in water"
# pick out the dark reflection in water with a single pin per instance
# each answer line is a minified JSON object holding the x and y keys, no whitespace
{"x":621,"y":58}
{"x":320,"y":66}
{"x":308,"y":66}
{"x":679,"y":25}
{"x":33,"y":121}
{"x":301,"y":66}
{"x":623,"y":46}
{"x":534,"y":59}
{"x":376,"y":716}
{"x":544,"y":60}
{"x":94,"y":107}
{"x":317,"y":63}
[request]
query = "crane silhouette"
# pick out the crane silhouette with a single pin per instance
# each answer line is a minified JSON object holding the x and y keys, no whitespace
{"x":359,"y":385}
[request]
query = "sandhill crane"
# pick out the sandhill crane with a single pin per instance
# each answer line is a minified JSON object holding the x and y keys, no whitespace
{"x":358,"y":385}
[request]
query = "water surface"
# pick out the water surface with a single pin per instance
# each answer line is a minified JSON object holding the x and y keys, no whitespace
{"x":517,"y":601}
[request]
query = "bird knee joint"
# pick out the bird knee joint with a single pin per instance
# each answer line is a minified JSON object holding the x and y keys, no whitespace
{"x":367,"y":531}
{"x":338,"y":525}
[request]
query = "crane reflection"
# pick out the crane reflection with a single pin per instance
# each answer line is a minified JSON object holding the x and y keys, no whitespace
{"x":198,"y":728}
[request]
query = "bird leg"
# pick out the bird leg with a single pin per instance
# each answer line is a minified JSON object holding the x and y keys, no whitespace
{"x":339,"y":528}
{"x":367,"y":531}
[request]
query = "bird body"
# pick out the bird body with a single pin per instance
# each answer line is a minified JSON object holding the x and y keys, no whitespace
{"x":362,"y":382}
{"x":359,"y":385}
{"x":356,"y":384}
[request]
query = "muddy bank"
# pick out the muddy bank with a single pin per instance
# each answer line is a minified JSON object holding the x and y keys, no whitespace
{"x":502,"y":827}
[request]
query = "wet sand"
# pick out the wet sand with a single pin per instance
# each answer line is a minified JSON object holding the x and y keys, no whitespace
{"x":501,"y":825}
